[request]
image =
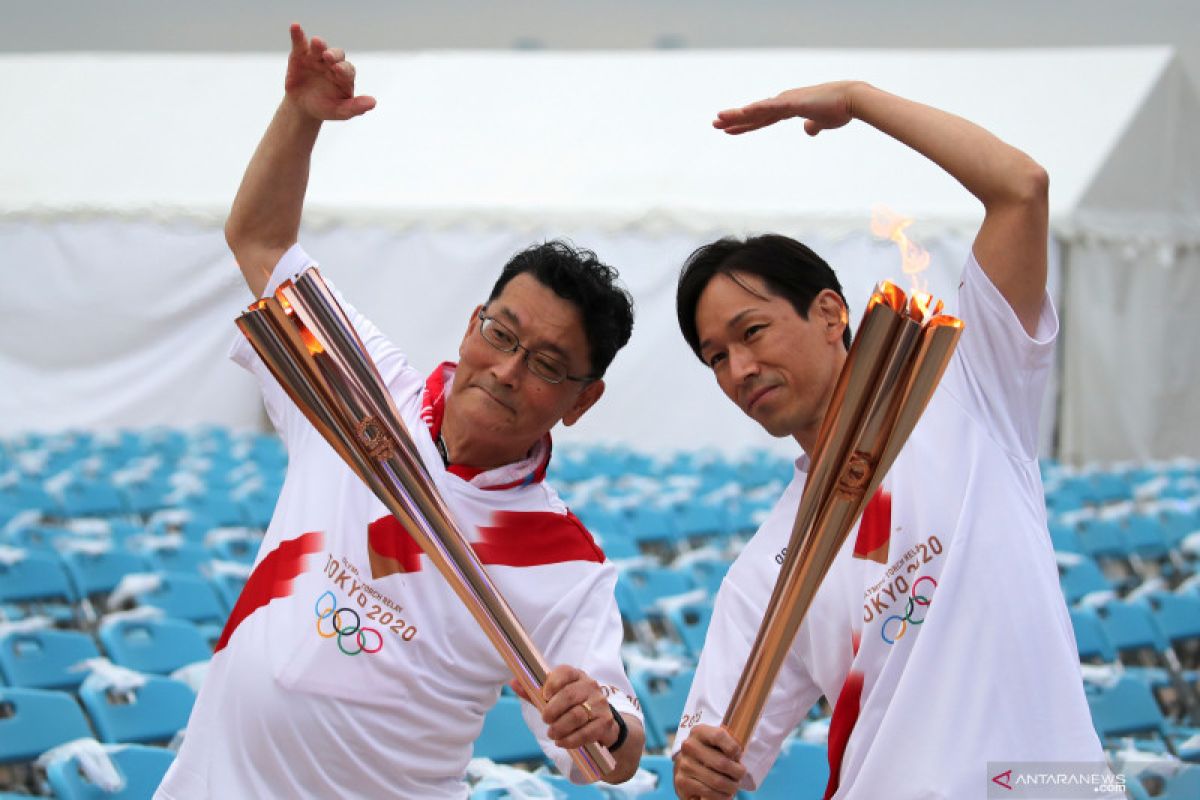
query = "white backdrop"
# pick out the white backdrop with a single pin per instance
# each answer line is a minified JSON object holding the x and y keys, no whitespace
{"x":116,"y":173}
{"x":123,"y":324}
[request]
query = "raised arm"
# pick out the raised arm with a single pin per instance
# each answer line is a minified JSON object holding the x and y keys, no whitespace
{"x":265,"y":219}
{"x":1011,"y":243}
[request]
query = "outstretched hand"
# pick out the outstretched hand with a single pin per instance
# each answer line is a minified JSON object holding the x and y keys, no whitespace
{"x":320,"y":81}
{"x":824,"y":107}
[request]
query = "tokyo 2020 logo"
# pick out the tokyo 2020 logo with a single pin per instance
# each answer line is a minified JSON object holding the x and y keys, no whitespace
{"x":363,"y":639}
{"x":895,"y":626}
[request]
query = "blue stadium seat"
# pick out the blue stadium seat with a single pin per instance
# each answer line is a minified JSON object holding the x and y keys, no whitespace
{"x":708,"y":573}
{"x":505,"y":737}
{"x":649,"y":584}
{"x":187,"y":597}
{"x":662,"y":698}
{"x":1127,"y":709}
{"x":1092,"y":643}
{"x":153,"y":645}
{"x":153,"y":712}
{"x":691,"y":623}
{"x":33,"y":720}
{"x":91,"y":497}
{"x":141,"y":767}
{"x":183,"y":557}
{"x":1080,"y":576}
{"x":42,"y":659}
{"x":35,"y":577}
{"x":99,"y":573}
{"x":800,"y":773}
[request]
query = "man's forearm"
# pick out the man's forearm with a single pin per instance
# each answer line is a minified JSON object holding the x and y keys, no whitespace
{"x":990,"y":169}
{"x":265,"y":219}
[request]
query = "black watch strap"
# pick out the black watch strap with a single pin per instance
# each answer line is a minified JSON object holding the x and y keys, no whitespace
{"x":622,"y":730}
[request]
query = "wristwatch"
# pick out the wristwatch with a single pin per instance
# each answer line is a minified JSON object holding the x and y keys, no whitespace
{"x":622,"y":730}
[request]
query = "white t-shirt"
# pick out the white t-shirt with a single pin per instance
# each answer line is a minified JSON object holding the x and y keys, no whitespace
{"x":292,"y":708}
{"x":950,"y":652}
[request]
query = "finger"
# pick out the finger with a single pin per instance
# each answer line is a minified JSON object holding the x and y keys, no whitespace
{"x":334,"y":55}
{"x":720,"y":739}
{"x":316,"y":46}
{"x":690,"y":785}
{"x":355,"y":107}
{"x":299,"y":40}
{"x":696,"y":780}
{"x":343,"y":74}
{"x":569,"y":699}
{"x":595,"y":730}
{"x":734,"y":130}
{"x":519,"y":690}
{"x":558,"y":678}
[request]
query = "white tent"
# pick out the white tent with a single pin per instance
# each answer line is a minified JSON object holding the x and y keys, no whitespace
{"x":116,"y":172}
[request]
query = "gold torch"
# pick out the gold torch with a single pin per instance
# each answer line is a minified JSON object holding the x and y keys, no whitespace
{"x":897,"y":359}
{"x":305,"y":339}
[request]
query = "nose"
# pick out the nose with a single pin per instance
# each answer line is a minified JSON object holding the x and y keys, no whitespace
{"x":508,"y":366}
{"x":742,"y":364}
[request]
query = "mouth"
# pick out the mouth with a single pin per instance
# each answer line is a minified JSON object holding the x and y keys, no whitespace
{"x":757,"y":396}
{"x":495,"y":399}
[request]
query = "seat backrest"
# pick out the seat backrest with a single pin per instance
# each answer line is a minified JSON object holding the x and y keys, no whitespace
{"x":505,"y":737}
{"x":43,"y":659}
{"x":34,"y":720}
{"x":154,"y":712}
{"x":154,"y":645}
{"x":36,"y":576}
{"x":142,"y":769}
{"x":1090,"y":638}
{"x":662,"y":698}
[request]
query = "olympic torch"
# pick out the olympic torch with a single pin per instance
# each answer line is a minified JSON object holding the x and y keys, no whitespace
{"x":897,"y":359}
{"x":309,"y":345}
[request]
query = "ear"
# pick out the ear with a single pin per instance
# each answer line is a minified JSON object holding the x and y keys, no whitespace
{"x":587,"y":398}
{"x":829,"y":310}
{"x":471,"y":323}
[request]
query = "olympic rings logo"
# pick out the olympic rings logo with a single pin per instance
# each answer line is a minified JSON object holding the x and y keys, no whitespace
{"x":342,"y":630}
{"x":915,"y":601}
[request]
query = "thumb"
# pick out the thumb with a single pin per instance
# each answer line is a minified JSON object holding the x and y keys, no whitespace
{"x":812,"y":127}
{"x":356,"y":106}
{"x":519,"y":690}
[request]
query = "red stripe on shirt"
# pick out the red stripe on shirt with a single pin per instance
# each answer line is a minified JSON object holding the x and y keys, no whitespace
{"x":271,"y":579}
{"x":841,"y":724}
{"x":514,"y":539}
{"x":875,"y":530}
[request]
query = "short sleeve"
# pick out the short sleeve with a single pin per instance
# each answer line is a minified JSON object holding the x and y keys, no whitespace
{"x":285,"y":416}
{"x":585,"y":631}
{"x":731,"y":634}
{"x":999,"y":371}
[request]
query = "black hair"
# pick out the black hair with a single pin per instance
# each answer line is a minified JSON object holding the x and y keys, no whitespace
{"x":790,"y":270}
{"x":579,"y":277}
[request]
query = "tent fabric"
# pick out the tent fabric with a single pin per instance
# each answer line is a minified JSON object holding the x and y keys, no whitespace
{"x":118,"y":170}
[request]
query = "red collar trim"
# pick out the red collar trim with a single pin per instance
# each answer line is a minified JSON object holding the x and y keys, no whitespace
{"x":433,"y":412}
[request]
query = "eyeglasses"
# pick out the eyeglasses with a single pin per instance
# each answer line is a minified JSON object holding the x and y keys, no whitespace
{"x":543,"y":365}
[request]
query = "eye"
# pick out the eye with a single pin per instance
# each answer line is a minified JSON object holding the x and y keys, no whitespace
{"x":752,"y":331}
{"x":547,"y":367}
{"x":715,"y":359}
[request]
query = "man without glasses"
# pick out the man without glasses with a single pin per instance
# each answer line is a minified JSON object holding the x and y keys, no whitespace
{"x":940,"y":634}
{"x":349,"y":667}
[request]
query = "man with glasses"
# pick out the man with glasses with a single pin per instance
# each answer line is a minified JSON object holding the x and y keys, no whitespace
{"x":349,"y":667}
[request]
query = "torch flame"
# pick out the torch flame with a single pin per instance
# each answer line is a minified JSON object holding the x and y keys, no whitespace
{"x":914,"y":259}
{"x":888,"y":293}
{"x":918,"y":305}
